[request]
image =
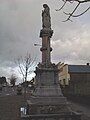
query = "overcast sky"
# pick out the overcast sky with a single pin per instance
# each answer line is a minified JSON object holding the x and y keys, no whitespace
{"x":20,"y":25}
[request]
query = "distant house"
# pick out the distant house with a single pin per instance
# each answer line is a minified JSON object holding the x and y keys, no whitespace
{"x":64,"y":75}
{"x":76,"y":77}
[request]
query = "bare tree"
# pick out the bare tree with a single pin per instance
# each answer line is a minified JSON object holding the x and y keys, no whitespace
{"x":25,"y":65}
{"x":79,"y":2}
{"x":13,"y":79}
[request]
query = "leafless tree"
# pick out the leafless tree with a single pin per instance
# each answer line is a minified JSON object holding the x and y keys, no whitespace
{"x":79,"y":2}
{"x":12,"y":79}
{"x":25,"y":65}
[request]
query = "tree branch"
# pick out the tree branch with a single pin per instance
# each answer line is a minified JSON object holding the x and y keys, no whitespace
{"x":72,"y":13}
{"x":61,"y":6}
{"x":81,"y":13}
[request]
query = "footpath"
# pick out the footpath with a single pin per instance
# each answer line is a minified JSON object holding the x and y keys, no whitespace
{"x":83,"y":109}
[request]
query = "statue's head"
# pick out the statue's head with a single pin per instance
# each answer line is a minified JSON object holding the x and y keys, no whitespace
{"x":45,"y":5}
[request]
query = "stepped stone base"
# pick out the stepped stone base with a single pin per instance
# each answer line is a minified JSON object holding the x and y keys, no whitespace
{"x":47,"y":101}
{"x":49,"y":108}
{"x":47,"y":105}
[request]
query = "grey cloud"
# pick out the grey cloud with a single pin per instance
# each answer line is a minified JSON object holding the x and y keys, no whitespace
{"x":20,"y":24}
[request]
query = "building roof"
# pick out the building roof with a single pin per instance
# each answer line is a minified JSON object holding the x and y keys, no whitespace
{"x":79,"y":68}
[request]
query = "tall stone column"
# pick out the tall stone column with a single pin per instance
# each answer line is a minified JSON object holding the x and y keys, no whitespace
{"x":46,"y":49}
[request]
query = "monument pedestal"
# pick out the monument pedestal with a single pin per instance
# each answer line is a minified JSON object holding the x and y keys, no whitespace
{"x":47,"y":102}
{"x":47,"y":81}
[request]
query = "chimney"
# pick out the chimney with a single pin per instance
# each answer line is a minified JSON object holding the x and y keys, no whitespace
{"x":88,"y":64}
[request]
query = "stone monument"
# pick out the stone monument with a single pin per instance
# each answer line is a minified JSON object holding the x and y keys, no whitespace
{"x":47,"y":102}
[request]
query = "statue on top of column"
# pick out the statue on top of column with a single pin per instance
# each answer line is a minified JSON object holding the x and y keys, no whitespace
{"x":46,"y":19}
